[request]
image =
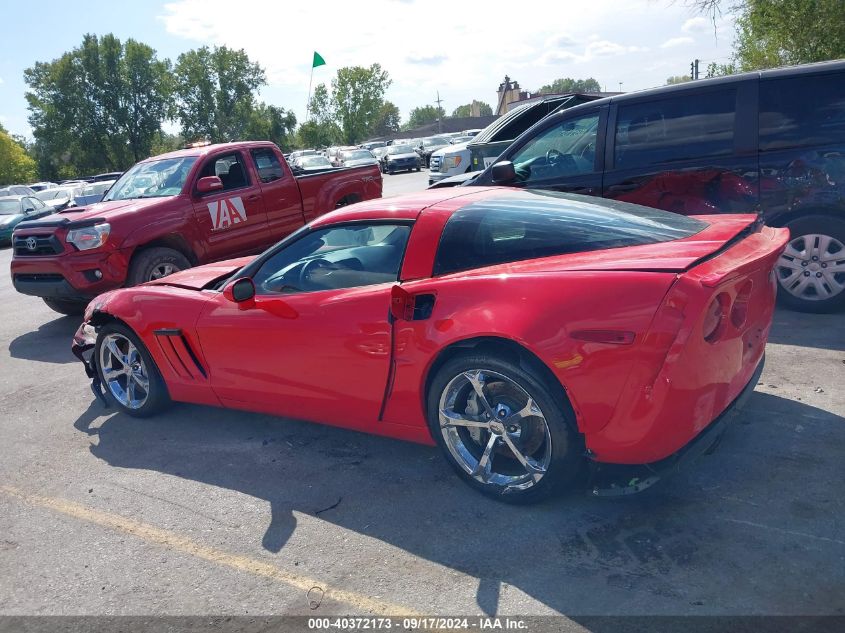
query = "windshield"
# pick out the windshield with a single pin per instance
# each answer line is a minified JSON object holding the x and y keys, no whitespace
{"x":96,"y":189}
{"x":435,"y":141}
{"x":10,"y":207}
{"x":357,"y":155}
{"x":55,"y":194}
{"x":400,"y":149}
{"x":155,"y":179}
{"x":314,"y":161}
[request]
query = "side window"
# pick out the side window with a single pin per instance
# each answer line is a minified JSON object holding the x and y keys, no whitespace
{"x":37,"y":203}
{"x":334,"y":258}
{"x":229,"y":168}
{"x":677,"y":128}
{"x":267,"y":163}
{"x":28,"y":205}
{"x":565,"y":149}
{"x":802,"y":111}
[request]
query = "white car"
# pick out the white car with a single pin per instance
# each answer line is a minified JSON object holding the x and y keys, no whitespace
{"x":448,"y":161}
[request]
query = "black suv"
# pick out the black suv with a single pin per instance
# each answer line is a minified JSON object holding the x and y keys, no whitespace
{"x":770,"y":142}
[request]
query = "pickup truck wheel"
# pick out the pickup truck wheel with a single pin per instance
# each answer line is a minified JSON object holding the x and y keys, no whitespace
{"x":70,"y":307}
{"x":418,"y":168}
{"x":155,"y":263}
{"x":811,"y":271}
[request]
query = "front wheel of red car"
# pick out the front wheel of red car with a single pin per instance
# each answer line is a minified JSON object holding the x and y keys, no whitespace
{"x":128,"y":373}
{"x":502,"y":429}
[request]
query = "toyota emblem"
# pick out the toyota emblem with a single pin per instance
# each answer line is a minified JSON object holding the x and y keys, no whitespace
{"x":31,"y":243}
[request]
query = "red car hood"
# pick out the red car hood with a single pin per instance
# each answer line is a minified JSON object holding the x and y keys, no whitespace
{"x":103,"y":210}
{"x":199,"y":277}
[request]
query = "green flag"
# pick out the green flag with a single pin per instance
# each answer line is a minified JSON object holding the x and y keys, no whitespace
{"x":318,"y":60}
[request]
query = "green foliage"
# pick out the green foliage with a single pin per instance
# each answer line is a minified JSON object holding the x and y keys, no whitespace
{"x":388,"y":120}
{"x":357,"y":98}
{"x":779,"y":32}
{"x":567,"y":84}
{"x":16,"y":166}
{"x":270,"y":123}
{"x":719,"y":70}
{"x":466,"y":110}
{"x":677,"y":79}
{"x":97,"y":107}
{"x":423,"y":115}
{"x":215,"y":93}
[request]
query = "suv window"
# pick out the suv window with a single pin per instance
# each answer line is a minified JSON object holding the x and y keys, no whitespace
{"x":269,"y":167}
{"x":675,"y":128}
{"x":229,"y":168}
{"x":336,"y":257}
{"x":802,"y":111}
{"x":565,"y":149}
{"x":543,"y":223}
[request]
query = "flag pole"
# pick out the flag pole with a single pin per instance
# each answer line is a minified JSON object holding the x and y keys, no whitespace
{"x":308,"y":102}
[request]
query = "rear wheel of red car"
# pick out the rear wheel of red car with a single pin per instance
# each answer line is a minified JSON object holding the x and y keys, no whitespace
{"x":811,"y":271}
{"x":128,"y":373}
{"x":502,"y":429}
{"x":70,"y":307}
{"x":155,"y":263}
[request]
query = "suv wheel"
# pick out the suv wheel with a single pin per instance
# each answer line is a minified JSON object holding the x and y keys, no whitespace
{"x":811,"y":271}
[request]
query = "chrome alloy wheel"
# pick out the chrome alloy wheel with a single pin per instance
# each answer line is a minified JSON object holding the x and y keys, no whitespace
{"x":813,"y":267}
{"x":163,"y":270}
{"x":495,"y":430}
{"x":124,"y":371}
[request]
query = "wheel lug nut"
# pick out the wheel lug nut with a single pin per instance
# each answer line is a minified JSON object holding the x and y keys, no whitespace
{"x":818,"y":274}
{"x":824,"y":265}
{"x":804,"y":263}
{"x":806,"y":273}
{"x":815,"y":259}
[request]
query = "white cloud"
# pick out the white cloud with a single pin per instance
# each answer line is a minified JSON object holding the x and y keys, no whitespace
{"x":464,"y":57}
{"x":1,"y":81}
{"x":676,"y":41}
{"x":696,"y":25}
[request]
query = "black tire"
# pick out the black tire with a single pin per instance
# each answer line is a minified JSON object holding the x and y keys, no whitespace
{"x":812,"y":225}
{"x":70,"y":307}
{"x":567,"y":448}
{"x":391,"y":172}
{"x":145,"y":262}
{"x":417,"y":168}
{"x":157,"y":398}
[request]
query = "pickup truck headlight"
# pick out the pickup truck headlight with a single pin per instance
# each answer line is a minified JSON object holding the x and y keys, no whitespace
{"x":451,"y":162}
{"x":89,"y":237}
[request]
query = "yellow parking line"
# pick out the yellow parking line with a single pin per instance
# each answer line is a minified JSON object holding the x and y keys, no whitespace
{"x":166,"y":538}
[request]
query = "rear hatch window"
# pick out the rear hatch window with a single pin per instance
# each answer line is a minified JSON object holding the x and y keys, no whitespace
{"x":533,"y":224}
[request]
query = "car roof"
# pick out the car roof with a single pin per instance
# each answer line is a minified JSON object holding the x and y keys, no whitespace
{"x":208,"y":149}
{"x":14,"y":197}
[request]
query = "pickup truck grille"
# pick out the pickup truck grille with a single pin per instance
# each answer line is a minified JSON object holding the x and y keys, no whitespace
{"x":35,"y":245}
{"x":435,"y":163}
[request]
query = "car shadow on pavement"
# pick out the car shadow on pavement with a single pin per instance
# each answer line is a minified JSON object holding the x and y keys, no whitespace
{"x":50,"y":343}
{"x":752,"y":528}
{"x":808,"y":330}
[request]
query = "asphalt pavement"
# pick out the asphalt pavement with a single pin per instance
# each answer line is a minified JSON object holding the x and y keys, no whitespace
{"x":207,"y":511}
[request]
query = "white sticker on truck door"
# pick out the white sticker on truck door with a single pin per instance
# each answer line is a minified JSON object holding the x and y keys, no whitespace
{"x":226,"y":212}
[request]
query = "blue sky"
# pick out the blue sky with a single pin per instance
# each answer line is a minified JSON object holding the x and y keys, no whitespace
{"x":453,"y":48}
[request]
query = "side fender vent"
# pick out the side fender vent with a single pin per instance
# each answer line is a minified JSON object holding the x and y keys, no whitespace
{"x":179,"y":354}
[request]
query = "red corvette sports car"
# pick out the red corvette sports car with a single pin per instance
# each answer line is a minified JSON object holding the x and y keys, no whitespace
{"x":526,"y":333}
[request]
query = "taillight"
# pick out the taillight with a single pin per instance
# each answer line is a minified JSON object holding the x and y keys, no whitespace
{"x":714,"y":318}
{"x":739,"y":312}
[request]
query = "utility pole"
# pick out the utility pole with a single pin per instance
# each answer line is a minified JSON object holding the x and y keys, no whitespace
{"x":439,"y":116}
{"x":620,"y":86}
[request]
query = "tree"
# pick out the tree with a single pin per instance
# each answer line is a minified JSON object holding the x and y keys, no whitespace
{"x":484,"y":109}
{"x":780,"y":32}
{"x":357,"y":99}
{"x":215,"y":93}
{"x":424,"y":115}
{"x":388,"y":121}
{"x":677,"y":79}
{"x":567,"y":84}
{"x":16,"y":166}
{"x":271,"y":123}
{"x":98,"y":106}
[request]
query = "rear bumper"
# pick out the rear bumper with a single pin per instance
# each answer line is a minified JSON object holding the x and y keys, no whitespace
{"x":610,"y":480}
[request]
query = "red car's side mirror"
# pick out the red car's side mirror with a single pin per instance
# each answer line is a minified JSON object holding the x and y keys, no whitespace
{"x":209,"y":183}
{"x":242,"y":292}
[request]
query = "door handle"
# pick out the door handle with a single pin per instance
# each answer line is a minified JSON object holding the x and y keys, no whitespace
{"x":253,"y":197}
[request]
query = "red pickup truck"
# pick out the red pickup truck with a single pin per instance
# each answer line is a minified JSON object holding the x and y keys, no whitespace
{"x":174,"y":211}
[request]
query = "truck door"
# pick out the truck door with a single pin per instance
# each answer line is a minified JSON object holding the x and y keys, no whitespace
{"x":282,"y":200}
{"x":232,"y":219}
